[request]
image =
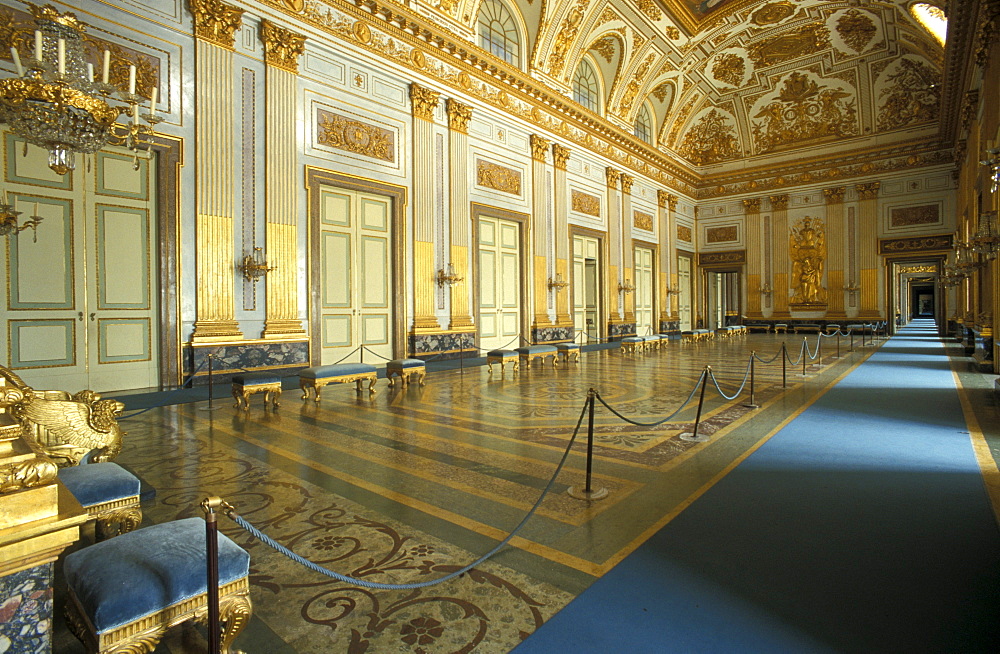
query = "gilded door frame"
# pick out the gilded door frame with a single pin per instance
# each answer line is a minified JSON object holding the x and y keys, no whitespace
{"x":169,"y":159}
{"x":316,"y":177}
{"x":891,"y":274}
{"x":602,"y":266}
{"x":476,"y":212}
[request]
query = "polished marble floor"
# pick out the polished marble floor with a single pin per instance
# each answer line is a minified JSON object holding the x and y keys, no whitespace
{"x":413,"y":483}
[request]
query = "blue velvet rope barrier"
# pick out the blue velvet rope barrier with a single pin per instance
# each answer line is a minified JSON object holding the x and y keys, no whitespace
{"x":739,"y":392}
{"x":766,"y":361}
{"x":364,"y":583}
{"x":801,"y":354}
{"x":811,"y":355}
{"x":658,"y":422}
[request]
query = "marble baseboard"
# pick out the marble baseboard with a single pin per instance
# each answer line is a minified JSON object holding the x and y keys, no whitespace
{"x":552,"y":334}
{"x":451,"y":345}
{"x":26,"y":611}
{"x":233,"y":359}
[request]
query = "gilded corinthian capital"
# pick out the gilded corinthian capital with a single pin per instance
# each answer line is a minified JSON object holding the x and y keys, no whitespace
{"x":459,"y":115}
{"x":778,"y":202}
{"x":751,"y":205}
{"x":868,"y":191}
{"x":613,"y":176}
{"x":282,"y":47}
{"x":539,"y":147}
{"x":216,"y":22}
{"x":627,"y":181}
{"x":424,"y":101}
{"x":560,"y":155}
{"x":834,"y":195}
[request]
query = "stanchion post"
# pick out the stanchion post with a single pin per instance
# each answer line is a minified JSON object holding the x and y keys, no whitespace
{"x":838,"y":343}
{"x":852,"y":340}
{"x":819,"y":350}
{"x":588,"y":492}
{"x":804,"y":354}
{"x":210,"y":386}
{"x":784,"y":365}
{"x":461,"y":359}
{"x":212,"y":556}
{"x":752,"y":404}
{"x":701,"y":401}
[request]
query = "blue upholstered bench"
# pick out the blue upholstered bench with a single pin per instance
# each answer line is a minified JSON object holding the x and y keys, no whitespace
{"x":337,"y":373}
{"x":780,"y":328}
{"x":807,"y":327}
{"x":125,"y":592}
{"x":528,"y":354}
{"x":832,"y":328}
{"x":502,"y":357}
{"x":632,"y":344}
{"x":404,"y":369}
{"x":248,"y":383}
{"x":109,"y":493}
{"x":567,"y":350}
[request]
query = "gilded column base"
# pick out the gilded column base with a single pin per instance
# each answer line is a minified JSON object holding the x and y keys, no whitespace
{"x":216,"y":330}
{"x":461,"y":323}
{"x":424,"y":324}
{"x":274,"y":329}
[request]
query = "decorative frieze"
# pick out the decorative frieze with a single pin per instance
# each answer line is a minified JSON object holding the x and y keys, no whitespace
{"x":497,"y":177}
{"x":927,"y":214}
{"x":216,"y":22}
{"x":423,"y":101}
{"x":282,"y":47}
{"x":725,"y":234}
{"x":345,"y":133}
{"x":586,"y":203}
{"x":735,"y":257}
{"x":642,"y":220}
{"x":937,"y":243}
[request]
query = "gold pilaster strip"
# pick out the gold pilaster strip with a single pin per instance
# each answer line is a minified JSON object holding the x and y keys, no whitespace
{"x":424,"y":102}
{"x":755,"y":257}
{"x":539,"y":245}
{"x":215,"y":201}
{"x":560,"y":205}
{"x":459,"y":116}
{"x":628,"y":251}
{"x":782,"y":260}
{"x":614,"y":248}
{"x":836,"y":231}
{"x":868,"y":248}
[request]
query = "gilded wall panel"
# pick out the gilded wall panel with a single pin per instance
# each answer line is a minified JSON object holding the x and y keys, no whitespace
{"x":726,"y":234}
{"x":586,"y":203}
{"x":642,"y":220}
{"x":350,"y":135}
{"x":684,"y":233}
{"x":927,"y":214}
{"x":497,"y":177}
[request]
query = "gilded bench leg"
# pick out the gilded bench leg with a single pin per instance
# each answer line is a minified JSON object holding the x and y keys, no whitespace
{"x":305,"y":386}
{"x":241,"y":399}
{"x":421,"y":376}
{"x":114,"y":523}
{"x":273,"y":396}
{"x":234,"y":612}
{"x":371,"y":384}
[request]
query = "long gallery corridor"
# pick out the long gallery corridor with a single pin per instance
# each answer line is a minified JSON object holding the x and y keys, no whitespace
{"x":413,"y":483}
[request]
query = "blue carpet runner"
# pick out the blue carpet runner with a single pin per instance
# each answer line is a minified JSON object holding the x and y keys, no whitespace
{"x":861,"y":526}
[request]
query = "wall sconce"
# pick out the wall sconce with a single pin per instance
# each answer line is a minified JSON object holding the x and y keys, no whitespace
{"x":765,"y":290}
{"x":558,"y":283}
{"x":852,"y":288}
{"x":447,"y":276}
{"x":8,"y":220}
{"x":255,"y":266}
{"x":993,"y":163}
{"x":627,"y":287}
{"x":673,"y":290}
{"x":987,"y":239}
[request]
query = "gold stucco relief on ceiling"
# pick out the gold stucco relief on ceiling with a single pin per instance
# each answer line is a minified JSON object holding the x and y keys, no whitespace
{"x":856,"y":29}
{"x":772,"y":13}
{"x":712,"y":139}
{"x":729,"y":68}
{"x":632,"y":89}
{"x":910,"y":95}
{"x":799,"y":42}
{"x":565,"y":37}
{"x":803,"y":112}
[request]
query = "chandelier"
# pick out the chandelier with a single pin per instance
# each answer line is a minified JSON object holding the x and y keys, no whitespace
{"x":8,"y":219}
{"x":56,"y":103}
{"x":986,"y":242}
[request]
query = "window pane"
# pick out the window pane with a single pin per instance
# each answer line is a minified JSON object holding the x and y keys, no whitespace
{"x":498,"y":33}
{"x":586,"y":90}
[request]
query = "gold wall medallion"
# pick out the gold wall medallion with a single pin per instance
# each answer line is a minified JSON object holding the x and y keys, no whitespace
{"x":497,"y":177}
{"x":772,"y":13}
{"x":725,"y":234}
{"x":418,"y":58}
{"x":351,"y":135}
{"x":362,"y":32}
{"x":586,"y":203}
{"x":807,"y":249}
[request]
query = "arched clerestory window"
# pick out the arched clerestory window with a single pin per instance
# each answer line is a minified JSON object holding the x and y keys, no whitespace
{"x":644,"y":124}
{"x":586,"y":88}
{"x":498,"y":32}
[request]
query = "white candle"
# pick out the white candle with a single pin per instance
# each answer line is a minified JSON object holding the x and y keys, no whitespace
{"x":38,"y":45}
{"x":17,"y":61}
{"x":131,"y":80}
{"x":35,"y":215}
{"x":106,"y":66}
{"x":90,"y":72}
{"x":135,"y":114}
{"x":61,"y":56}
{"x":152,"y":101}
{"x":5,"y":196}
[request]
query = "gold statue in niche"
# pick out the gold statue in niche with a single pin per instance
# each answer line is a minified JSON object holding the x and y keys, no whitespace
{"x":807,"y":246}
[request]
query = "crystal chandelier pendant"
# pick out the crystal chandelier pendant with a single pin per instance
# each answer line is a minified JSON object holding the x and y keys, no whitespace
{"x":61,"y":160}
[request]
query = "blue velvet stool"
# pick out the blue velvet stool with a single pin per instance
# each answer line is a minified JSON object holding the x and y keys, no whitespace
{"x":632,"y":344}
{"x":109,"y":493}
{"x":336,"y":373}
{"x":567,"y":350}
{"x":125,"y":593}
{"x":404,"y":369}
{"x":248,"y":383}
{"x":502,"y":357}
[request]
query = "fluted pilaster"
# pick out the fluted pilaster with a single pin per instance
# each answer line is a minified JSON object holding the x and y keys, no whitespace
{"x":459,"y":116}
{"x":868,"y":248}
{"x":423,"y":102}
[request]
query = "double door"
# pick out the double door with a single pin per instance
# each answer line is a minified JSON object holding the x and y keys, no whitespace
{"x":81,"y":292}
{"x":684,"y":293}
{"x":644,"y":280}
{"x":499,"y":283}
{"x":586,"y":278}
{"x":356,"y":271}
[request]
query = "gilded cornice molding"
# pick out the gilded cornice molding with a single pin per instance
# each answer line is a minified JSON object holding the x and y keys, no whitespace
{"x":424,"y":101}
{"x":459,"y":115}
{"x":282,"y":47}
{"x":612,"y":176}
{"x":560,"y":156}
{"x":778,"y":202}
{"x":834,"y":195}
{"x":868,"y":191}
{"x":751,"y":205}
{"x":627,"y":182}
{"x":216,"y":22}
{"x":539,"y":147}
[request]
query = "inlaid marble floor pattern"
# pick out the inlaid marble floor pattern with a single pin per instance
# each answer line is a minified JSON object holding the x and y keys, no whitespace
{"x":411,"y":484}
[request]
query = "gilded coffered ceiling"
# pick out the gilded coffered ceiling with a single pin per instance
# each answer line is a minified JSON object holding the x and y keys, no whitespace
{"x":729,"y":85}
